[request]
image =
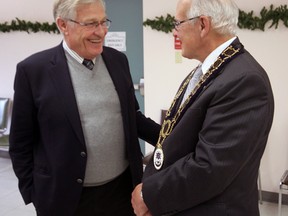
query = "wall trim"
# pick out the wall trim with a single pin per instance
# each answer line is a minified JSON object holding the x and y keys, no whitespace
{"x":272,"y":197}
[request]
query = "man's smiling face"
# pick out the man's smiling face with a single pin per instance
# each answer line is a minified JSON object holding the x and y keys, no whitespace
{"x":86,"y":41}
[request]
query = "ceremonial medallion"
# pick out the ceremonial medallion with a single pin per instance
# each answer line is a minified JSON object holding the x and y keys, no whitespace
{"x":158,"y":158}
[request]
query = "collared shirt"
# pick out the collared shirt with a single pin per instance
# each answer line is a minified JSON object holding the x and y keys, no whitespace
{"x":211,"y":58}
{"x":74,"y":54}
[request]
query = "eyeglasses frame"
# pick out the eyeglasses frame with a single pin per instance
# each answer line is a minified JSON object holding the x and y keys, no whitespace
{"x":178,"y":23}
{"x":93,"y":24}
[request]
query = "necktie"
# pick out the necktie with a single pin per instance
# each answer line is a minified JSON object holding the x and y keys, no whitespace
{"x":88,"y":63}
{"x":195,"y":79}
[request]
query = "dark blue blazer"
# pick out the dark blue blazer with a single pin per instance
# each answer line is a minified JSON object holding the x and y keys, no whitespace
{"x":47,"y":145}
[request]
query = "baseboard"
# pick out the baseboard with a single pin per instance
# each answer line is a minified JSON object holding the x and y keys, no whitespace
{"x":4,"y":152}
{"x":273,"y":197}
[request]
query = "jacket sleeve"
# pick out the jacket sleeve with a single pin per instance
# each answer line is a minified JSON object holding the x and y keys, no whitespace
{"x":148,"y":129}
{"x":23,"y":134}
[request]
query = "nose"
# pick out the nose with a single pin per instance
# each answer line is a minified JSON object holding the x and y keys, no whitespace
{"x":174,"y":33}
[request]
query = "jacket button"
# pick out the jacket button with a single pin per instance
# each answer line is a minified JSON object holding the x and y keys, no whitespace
{"x":80,"y":181}
{"x":83,"y":154}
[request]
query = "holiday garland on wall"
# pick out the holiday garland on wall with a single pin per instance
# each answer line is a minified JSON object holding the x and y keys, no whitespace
{"x":165,"y":24}
{"x":28,"y":26}
{"x":246,"y":20}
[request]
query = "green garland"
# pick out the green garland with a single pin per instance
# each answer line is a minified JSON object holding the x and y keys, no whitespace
{"x":246,"y":20}
{"x":165,"y":24}
{"x":22,"y":25}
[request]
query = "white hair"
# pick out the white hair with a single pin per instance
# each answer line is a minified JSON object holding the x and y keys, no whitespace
{"x":67,"y":8}
{"x":224,"y":14}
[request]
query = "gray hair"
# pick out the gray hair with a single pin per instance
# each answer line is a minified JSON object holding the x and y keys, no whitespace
{"x":224,"y":14}
{"x":67,"y":8}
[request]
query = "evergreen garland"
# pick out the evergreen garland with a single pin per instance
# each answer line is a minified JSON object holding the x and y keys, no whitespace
{"x":27,"y":26}
{"x":246,"y":20}
{"x":165,"y":24}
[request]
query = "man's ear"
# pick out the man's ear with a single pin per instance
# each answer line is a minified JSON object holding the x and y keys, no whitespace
{"x":205,"y":25}
{"x":62,"y":25}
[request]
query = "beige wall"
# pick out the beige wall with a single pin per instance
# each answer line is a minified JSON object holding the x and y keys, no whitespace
{"x":15,"y":46}
{"x":162,"y":74}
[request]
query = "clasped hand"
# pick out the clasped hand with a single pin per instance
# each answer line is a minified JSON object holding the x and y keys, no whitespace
{"x":140,"y":208}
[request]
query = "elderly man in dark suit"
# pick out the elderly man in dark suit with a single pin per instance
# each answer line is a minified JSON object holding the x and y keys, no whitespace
{"x":75,"y":123}
{"x":208,"y":154}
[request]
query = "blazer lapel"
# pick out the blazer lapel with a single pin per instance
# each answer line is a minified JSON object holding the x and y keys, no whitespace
{"x":62,"y":82}
{"x":179,"y":100}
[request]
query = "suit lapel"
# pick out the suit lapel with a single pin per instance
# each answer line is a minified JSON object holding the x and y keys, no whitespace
{"x":62,"y":82}
{"x":179,"y":100}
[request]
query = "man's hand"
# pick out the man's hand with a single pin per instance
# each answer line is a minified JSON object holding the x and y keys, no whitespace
{"x":140,"y":208}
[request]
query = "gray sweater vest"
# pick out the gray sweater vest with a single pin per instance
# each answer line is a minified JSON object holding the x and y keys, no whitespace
{"x":101,"y":120}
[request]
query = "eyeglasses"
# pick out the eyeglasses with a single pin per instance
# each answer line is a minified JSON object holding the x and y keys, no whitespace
{"x":178,"y":23}
{"x":90,"y":25}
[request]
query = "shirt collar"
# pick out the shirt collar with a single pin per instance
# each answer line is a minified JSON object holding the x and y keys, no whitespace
{"x":211,"y":58}
{"x":74,"y":54}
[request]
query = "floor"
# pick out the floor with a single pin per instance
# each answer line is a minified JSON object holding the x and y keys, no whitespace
{"x":11,"y":203}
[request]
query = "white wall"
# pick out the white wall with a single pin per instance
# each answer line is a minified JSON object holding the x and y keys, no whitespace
{"x":15,"y":46}
{"x":162,"y":74}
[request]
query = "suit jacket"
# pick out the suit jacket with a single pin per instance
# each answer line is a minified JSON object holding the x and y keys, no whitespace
{"x":212,"y":156}
{"x":47,"y":145}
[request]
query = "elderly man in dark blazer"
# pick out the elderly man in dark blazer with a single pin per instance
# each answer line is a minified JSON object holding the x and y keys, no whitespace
{"x":74,"y":133}
{"x":208,"y":154}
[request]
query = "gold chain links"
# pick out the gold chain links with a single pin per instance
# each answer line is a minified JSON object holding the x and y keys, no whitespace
{"x":168,"y":124}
